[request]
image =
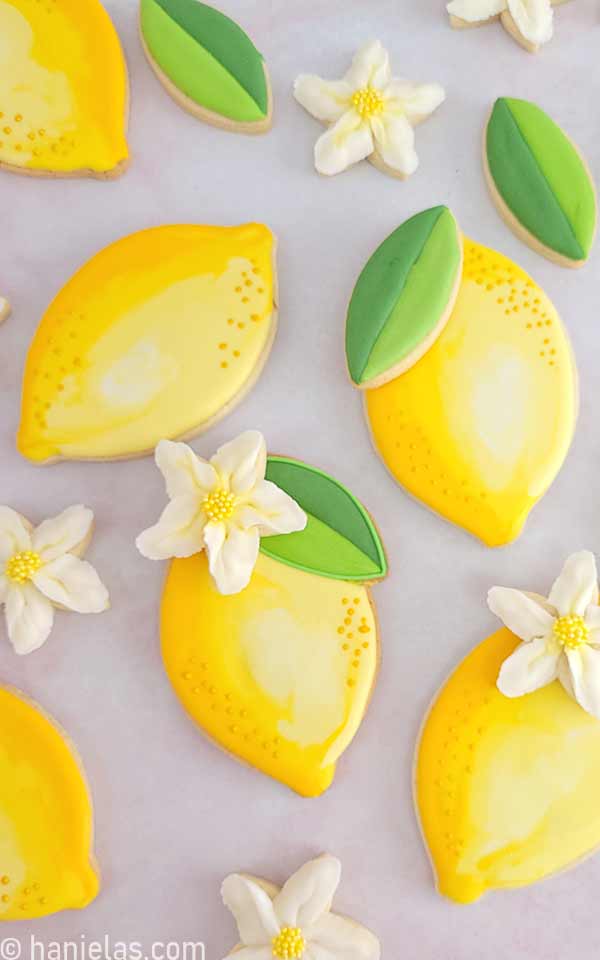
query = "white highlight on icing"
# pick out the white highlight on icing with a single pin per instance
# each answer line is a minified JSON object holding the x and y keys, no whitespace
{"x":224,"y":505}
{"x":303,"y":905}
{"x":369,"y":112}
{"x":534,"y":18}
{"x":39,"y":570}
{"x":561,"y":635}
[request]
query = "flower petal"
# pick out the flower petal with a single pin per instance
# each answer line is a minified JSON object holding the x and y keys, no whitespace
{"x":251,"y":953}
{"x":533,"y":665}
{"x":307,"y":895}
{"x":252,"y":908}
{"x":416,"y":101}
{"x":534,"y":19}
{"x":29,"y":618}
{"x":272,"y":510}
{"x":178,"y":533}
{"x":584,"y":665}
{"x":577,"y":585}
{"x":520,"y":613}
{"x":346,"y":142}
{"x":395,"y":142}
{"x":15,"y":537}
{"x":370,"y":67}
{"x":59,"y":535}
{"x":475,"y":11}
{"x":72,"y":583}
{"x":184,"y":471}
{"x":345,"y":938}
{"x":232,"y":556}
{"x":324,"y":99}
{"x":242,"y":462}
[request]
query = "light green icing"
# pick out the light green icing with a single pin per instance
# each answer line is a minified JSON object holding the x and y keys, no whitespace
{"x":340,"y":540}
{"x":423,"y":301}
{"x":192,"y":69}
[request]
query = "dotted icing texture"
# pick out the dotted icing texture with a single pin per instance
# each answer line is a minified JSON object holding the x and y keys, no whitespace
{"x":498,"y":780}
{"x":479,"y":427}
{"x":119,"y":355}
{"x":45,"y":817}
{"x":280,"y":674}
{"x":541,"y":178}
{"x":207,"y":57}
{"x":63,"y":87}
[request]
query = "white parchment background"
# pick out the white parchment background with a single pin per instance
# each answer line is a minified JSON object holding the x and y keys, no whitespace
{"x":174,"y":815}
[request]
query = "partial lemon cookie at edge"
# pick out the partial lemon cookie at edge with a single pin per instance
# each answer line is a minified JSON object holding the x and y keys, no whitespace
{"x":46,"y":822}
{"x":63,"y":89}
{"x":158,"y":335}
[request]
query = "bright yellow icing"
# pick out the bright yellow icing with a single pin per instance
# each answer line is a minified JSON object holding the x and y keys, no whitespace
{"x":45,"y":817}
{"x":479,"y":427}
{"x":507,"y":790}
{"x":63,"y":87}
{"x":279,"y":674}
{"x":155,"y":337}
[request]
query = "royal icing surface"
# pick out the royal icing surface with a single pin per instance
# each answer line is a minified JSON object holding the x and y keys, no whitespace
{"x":508,"y":766}
{"x":63,"y":88}
{"x":370,"y":114}
{"x":46,"y":863}
{"x":40,"y":569}
{"x":401,"y":296}
{"x":531,"y":20}
{"x":296,"y":921}
{"x":541,"y":178}
{"x":117,"y":359}
{"x":207,"y":57}
{"x":480,"y":426}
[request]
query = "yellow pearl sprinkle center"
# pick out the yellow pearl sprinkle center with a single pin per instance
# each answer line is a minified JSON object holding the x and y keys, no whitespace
{"x":219,"y":505}
{"x":22,"y":566}
{"x":368,"y":102}
{"x":571,"y":631}
{"x":289,"y":944}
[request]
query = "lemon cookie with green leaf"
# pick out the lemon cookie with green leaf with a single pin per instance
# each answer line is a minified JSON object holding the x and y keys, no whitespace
{"x":207,"y":63}
{"x":269,"y":635}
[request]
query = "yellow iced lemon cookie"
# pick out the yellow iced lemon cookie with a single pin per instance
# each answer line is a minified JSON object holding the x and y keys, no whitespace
{"x":268,"y":633}
{"x":158,"y":335}
{"x":46,"y":823}
{"x":479,"y":427}
{"x":508,"y":765}
{"x":63,"y":89}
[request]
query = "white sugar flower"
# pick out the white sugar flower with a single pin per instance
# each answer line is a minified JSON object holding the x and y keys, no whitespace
{"x":532,"y":19}
{"x":561,"y":635}
{"x":296,"y":923}
{"x":224,"y":505}
{"x":40,"y":570}
{"x":370,"y":113}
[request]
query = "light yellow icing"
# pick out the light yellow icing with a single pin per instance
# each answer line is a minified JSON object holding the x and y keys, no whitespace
{"x":280,"y":674}
{"x":63,"y":87}
{"x":153,"y":338}
{"x":45,"y":817}
{"x":480,"y":426}
{"x":507,"y":789}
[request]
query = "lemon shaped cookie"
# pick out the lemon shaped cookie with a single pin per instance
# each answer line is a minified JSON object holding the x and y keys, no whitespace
{"x":280,"y":674}
{"x":158,"y":335}
{"x":479,"y":427}
{"x":63,"y":89}
{"x":46,"y":825}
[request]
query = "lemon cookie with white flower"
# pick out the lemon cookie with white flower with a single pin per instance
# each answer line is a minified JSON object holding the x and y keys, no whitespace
{"x":371,"y":114}
{"x":508,"y":766}
{"x":295,"y":922}
{"x":269,"y":636}
{"x":41,"y":569}
{"x":529,"y":22}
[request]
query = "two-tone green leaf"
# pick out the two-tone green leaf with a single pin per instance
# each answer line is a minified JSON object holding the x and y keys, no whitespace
{"x":403,"y":297}
{"x":541,"y":178}
{"x":340,"y":540}
{"x":207,"y":57}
